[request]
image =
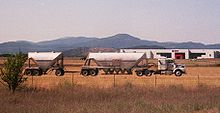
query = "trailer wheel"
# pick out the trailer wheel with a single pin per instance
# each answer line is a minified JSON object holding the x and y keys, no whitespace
{"x":85,"y":72}
{"x":106,"y":70}
{"x":93,"y":72}
{"x":59,"y":72}
{"x":28,"y":72}
{"x":123,"y":71}
{"x":111,"y":70}
{"x":139,"y":73}
{"x":117,"y":70}
{"x":36,"y":72}
{"x":178,"y":73}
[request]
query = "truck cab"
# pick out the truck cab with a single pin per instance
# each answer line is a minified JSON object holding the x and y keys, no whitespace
{"x":164,"y":66}
{"x":168,"y":66}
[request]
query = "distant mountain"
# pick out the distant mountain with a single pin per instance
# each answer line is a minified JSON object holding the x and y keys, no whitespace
{"x":146,"y":47}
{"x":184,"y":45}
{"x":116,"y":41}
{"x":66,"y":42}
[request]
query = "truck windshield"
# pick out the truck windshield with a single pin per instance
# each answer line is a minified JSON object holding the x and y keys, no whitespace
{"x":170,"y":61}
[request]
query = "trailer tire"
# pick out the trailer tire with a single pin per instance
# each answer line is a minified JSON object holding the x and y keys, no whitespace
{"x":93,"y":72}
{"x":117,"y":70}
{"x":59,"y":72}
{"x":178,"y":73}
{"x":106,"y":70}
{"x":36,"y":72}
{"x":28,"y":72}
{"x":123,"y":71}
{"x":85,"y":72}
{"x":111,"y":70}
{"x":139,"y":73}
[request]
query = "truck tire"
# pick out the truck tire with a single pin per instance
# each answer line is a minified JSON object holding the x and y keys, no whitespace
{"x":139,"y":73}
{"x":93,"y":72}
{"x":85,"y":72}
{"x":178,"y":73}
{"x":129,"y":71}
{"x":146,"y":72}
{"x":36,"y":72}
{"x":28,"y":72}
{"x":59,"y":72}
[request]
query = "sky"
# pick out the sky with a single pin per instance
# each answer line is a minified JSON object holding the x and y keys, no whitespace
{"x":157,"y":20}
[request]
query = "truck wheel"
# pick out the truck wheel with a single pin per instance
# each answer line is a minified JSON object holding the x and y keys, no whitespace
{"x":36,"y":72}
{"x":178,"y":72}
{"x":85,"y":72}
{"x":151,"y":72}
{"x":129,"y":71}
{"x":139,"y":73}
{"x":59,"y":72}
{"x":93,"y":72}
{"x":146,"y":72}
{"x":28,"y":72}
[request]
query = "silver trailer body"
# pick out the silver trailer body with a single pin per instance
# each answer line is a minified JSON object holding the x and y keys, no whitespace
{"x":44,"y":61}
{"x":123,"y":60}
{"x":112,"y":63}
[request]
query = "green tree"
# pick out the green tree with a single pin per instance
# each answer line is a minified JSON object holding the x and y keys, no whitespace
{"x":11,"y":73}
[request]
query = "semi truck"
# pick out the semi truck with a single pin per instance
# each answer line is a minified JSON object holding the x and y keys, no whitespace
{"x":164,"y":66}
{"x":116,"y":63}
{"x":40,"y":63}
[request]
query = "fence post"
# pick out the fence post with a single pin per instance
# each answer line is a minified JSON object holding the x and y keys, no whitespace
{"x":198,"y":80}
{"x":155,"y":80}
{"x":114,"y":80}
{"x":72,"y":79}
{"x":32,"y":80}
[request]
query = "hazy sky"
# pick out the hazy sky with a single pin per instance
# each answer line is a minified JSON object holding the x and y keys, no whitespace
{"x":159,"y":20}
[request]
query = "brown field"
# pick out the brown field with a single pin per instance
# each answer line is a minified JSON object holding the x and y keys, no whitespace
{"x":119,"y":99}
{"x":198,"y":72}
{"x":195,"y":76}
{"x":198,"y":91}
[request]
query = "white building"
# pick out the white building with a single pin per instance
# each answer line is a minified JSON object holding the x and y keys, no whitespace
{"x":177,"y":53}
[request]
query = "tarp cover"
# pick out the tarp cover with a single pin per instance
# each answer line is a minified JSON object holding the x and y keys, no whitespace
{"x":113,"y":56}
{"x":43,"y":55}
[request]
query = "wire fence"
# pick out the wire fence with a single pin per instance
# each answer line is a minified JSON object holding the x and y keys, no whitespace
{"x":72,"y":79}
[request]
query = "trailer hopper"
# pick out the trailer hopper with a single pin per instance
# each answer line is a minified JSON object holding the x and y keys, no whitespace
{"x":43,"y":61}
{"x":112,"y":62}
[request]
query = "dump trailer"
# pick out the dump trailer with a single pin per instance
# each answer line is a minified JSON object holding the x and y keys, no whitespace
{"x":40,"y":63}
{"x":164,"y":66}
{"x":116,"y":63}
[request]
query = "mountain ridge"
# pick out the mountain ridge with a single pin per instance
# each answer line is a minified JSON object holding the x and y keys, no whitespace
{"x":115,"y":41}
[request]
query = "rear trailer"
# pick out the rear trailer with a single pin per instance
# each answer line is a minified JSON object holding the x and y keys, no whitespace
{"x":40,"y":63}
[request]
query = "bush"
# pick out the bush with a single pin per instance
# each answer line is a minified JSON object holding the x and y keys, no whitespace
{"x":11,"y":73}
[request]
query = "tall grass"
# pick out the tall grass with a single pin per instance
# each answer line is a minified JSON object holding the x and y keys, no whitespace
{"x":66,"y":98}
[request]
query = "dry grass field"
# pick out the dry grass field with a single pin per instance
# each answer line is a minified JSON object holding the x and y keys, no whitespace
{"x":198,"y":91}
{"x":195,"y":76}
{"x":199,"y":72}
{"x":119,"y":99}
